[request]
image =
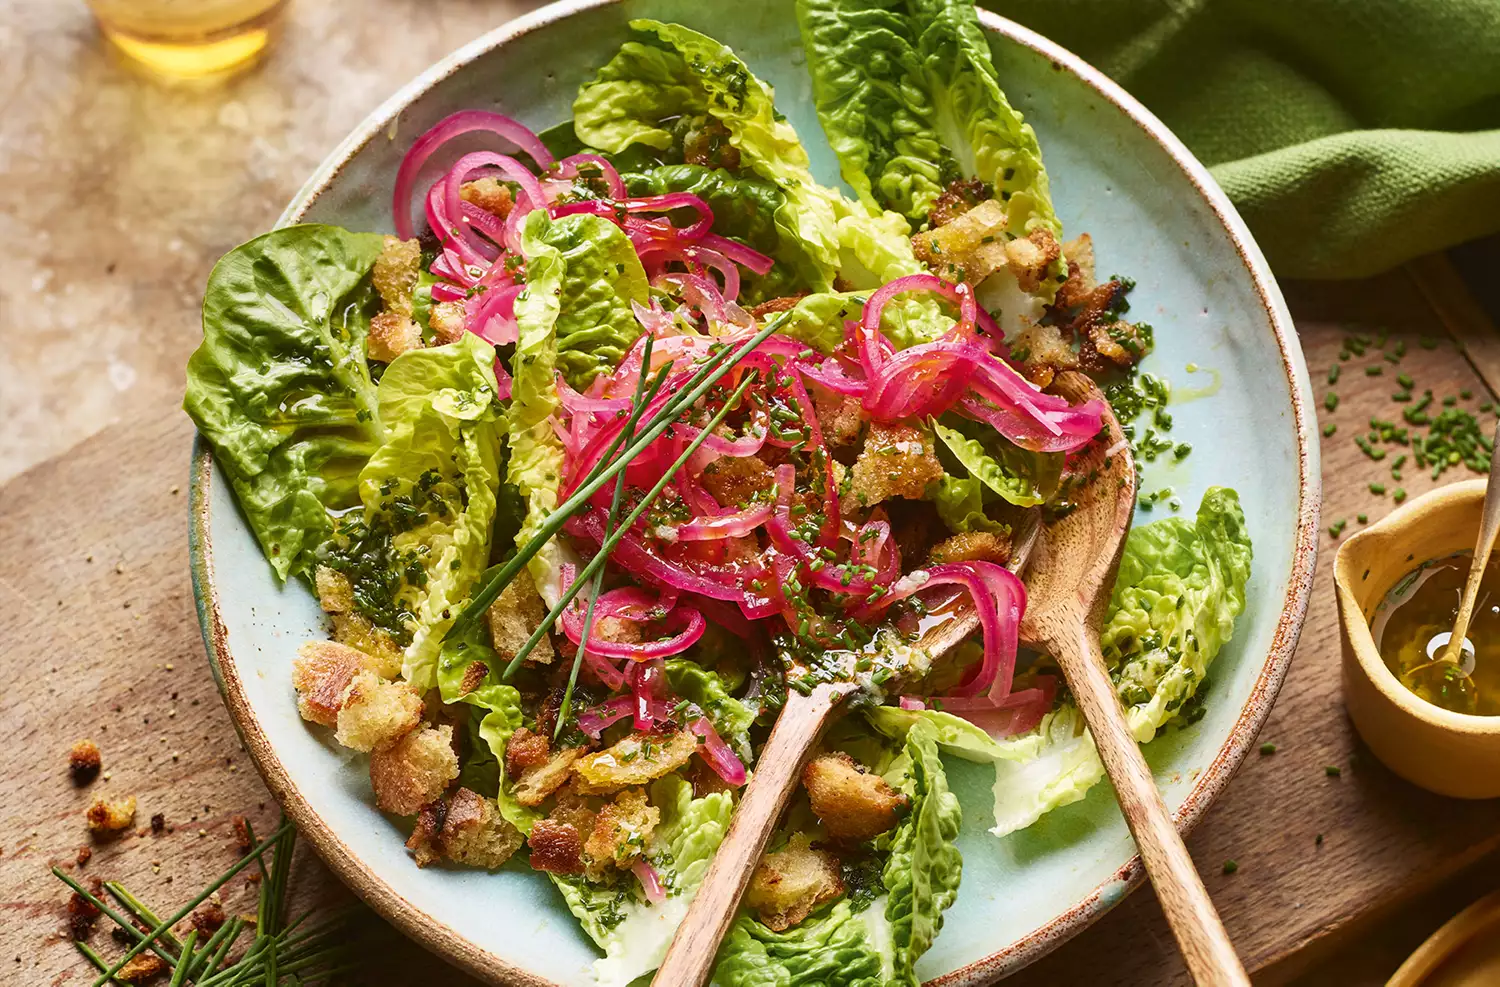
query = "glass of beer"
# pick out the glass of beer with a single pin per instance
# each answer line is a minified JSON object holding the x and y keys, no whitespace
{"x":188,"y":38}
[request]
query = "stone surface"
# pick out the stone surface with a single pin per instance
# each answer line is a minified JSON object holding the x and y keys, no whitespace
{"x":121,"y":190}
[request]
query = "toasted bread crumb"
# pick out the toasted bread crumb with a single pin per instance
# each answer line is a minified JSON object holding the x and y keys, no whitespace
{"x":512,"y":618}
{"x":82,"y":913}
{"x":395,"y":273}
{"x":142,"y":968}
{"x":535,"y":785}
{"x":634,"y":760}
{"x":113,"y":817}
{"x":971,"y":546}
{"x":621,"y":831}
{"x":413,"y":771}
{"x":376,"y":713}
{"x":897,"y":461}
{"x":852,"y":803}
{"x":474,"y":832}
{"x":556,"y":847}
{"x":791,"y":882}
{"x":84,"y":761}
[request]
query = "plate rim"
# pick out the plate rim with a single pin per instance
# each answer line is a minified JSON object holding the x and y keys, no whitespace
{"x":430,"y":932}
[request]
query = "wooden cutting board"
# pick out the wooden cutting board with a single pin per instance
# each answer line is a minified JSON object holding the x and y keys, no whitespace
{"x":98,"y":639}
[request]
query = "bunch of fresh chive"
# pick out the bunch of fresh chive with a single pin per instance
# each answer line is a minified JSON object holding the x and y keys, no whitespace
{"x":633,"y":439}
{"x":279,"y":952}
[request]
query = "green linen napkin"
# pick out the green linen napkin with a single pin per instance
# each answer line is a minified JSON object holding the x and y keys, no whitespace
{"x":1351,"y":134}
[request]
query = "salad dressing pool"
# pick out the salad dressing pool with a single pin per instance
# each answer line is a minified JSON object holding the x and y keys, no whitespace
{"x":1411,"y":629}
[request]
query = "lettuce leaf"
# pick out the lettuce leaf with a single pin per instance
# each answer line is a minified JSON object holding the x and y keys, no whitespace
{"x":280,"y":385}
{"x":880,"y":943}
{"x":535,"y":465}
{"x":602,"y":275}
{"x":633,"y":932}
{"x":1051,"y":766}
{"x":960,"y":504}
{"x":1017,"y":475}
{"x":744,"y":208}
{"x":459,"y":681}
{"x":671,"y":71}
{"x":1181,"y":585}
{"x":428,"y":493}
{"x":730,"y":717}
{"x":910,"y":100}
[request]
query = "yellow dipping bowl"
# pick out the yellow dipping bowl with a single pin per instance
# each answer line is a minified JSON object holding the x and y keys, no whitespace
{"x":1442,"y":751}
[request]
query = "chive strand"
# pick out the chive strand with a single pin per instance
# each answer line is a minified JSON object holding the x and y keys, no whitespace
{"x":218,"y":944}
{"x":93,"y":957}
{"x":179,"y":975}
{"x":186,"y":910}
{"x":112,"y":915}
{"x":709,"y":375}
{"x":608,"y":546}
{"x":609,"y":521}
{"x":137,"y":909}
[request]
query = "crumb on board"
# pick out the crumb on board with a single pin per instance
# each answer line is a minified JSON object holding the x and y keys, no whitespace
{"x":142,"y":969}
{"x":82,"y":913}
{"x":107,"y":818}
{"x":84,"y":761}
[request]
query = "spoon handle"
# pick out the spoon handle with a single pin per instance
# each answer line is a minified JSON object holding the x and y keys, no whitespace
{"x":690,"y":958}
{"x":1200,"y":934}
{"x":1489,"y":524}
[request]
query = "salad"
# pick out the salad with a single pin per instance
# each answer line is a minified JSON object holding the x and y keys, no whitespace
{"x":633,"y":425}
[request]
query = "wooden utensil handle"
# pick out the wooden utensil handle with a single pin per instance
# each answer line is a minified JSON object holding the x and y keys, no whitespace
{"x":1190,"y":912}
{"x":690,"y":958}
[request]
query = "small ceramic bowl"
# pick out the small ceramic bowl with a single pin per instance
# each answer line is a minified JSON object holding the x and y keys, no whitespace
{"x":1444,"y":752}
{"x":1465,"y":951}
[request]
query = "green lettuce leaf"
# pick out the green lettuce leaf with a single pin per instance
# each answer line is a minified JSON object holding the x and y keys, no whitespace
{"x":1017,"y":475}
{"x":671,"y":72}
{"x":1051,"y":766}
{"x":536,"y":455}
{"x":602,"y":275}
{"x":730,"y":717}
{"x":838,"y":946}
{"x":500,"y":703}
{"x":960,"y":504}
{"x":744,"y":208}
{"x":633,"y":932}
{"x":280,"y":386}
{"x":431,"y":488}
{"x":910,"y":100}
{"x":1180,"y":587}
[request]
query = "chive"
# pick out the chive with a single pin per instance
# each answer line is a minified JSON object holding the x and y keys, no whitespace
{"x":1329,"y":429}
{"x":1398,"y":495}
{"x":1401,"y":396}
{"x":179,"y":975}
{"x":1377,"y":488}
{"x":609,"y":521}
{"x":1267,"y":749}
{"x":1318,"y":840}
{"x":150,"y":938}
{"x":1404,"y":380}
{"x":1428,"y":343}
{"x":1374,"y":371}
{"x":1331,"y":401}
{"x":112,"y":915}
{"x":1362,"y":518}
{"x":1466,"y":394}
{"x":1333,"y":770}
{"x":706,"y":377}
{"x":1230,"y":866}
{"x":1333,"y":374}
{"x":609,"y":543}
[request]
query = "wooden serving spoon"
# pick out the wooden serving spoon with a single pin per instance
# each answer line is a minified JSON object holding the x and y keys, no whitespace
{"x":690,"y":957}
{"x":1068,"y":587}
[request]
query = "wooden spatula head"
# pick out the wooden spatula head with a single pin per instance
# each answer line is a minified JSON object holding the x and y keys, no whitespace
{"x":1072,"y":566}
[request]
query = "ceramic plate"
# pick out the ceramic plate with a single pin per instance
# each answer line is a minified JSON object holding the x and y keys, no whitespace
{"x":1155,"y":215}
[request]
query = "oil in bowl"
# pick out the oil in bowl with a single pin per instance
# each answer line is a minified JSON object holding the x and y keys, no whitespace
{"x":1411,"y":629}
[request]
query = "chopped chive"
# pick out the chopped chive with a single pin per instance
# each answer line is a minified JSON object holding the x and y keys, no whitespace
{"x":1331,"y":401}
{"x":1404,"y":380}
{"x":1362,"y":518}
{"x":1329,"y":429}
{"x":1377,"y":488}
{"x":1333,"y":374}
{"x":1398,"y":495}
{"x":1374,"y":371}
{"x":1466,"y":394}
{"x":1428,"y":343}
{"x":1333,"y":770}
{"x":1230,"y":866}
{"x":1267,"y":749}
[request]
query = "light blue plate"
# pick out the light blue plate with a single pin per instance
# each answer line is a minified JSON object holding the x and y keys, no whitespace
{"x":1155,"y":215}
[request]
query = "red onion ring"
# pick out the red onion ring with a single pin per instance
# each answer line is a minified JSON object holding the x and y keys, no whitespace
{"x":716,"y":754}
{"x":568,"y":168}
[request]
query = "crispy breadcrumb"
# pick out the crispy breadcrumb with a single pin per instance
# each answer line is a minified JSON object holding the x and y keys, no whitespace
{"x":321,"y":674}
{"x":413,"y":771}
{"x":840,"y":416}
{"x":512,"y":618}
{"x":790,"y":883}
{"x":474,"y":832}
{"x":142,"y":968}
{"x":392,"y":334}
{"x":852,"y":803}
{"x":898,"y":460}
{"x":448,"y":321}
{"x":621,"y":831}
{"x":970,"y":247}
{"x":395,"y":274}
{"x":376,"y":713}
{"x":1043,"y":353}
{"x":535,"y":784}
{"x":1031,"y":257}
{"x":634,"y":760}
{"x":556,"y":847}
{"x":735,"y":481}
{"x":84,"y":761}
{"x":82,"y":913}
{"x":774,"y":305}
{"x":957,"y":198}
{"x":489,"y":194}
{"x":972,"y":546}
{"x":109,"y":818}
{"x":336,"y":596}
{"x":526,"y":750}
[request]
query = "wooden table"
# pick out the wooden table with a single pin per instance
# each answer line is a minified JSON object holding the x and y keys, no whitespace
{"x":97,"y":632}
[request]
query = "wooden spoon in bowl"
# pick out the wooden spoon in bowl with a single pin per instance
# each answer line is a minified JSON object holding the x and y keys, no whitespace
{"x":690,"y":957}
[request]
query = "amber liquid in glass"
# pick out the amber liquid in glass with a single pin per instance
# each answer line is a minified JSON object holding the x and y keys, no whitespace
{"x":1420,"y":607}
{"x":188,"y":38}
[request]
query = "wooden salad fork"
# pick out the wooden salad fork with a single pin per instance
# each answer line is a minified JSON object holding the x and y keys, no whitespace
{"x":690,"y":957}
{"x":1068,"y":586}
